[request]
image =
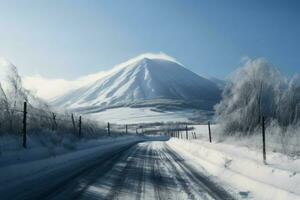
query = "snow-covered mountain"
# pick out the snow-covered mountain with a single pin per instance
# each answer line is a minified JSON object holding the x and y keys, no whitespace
{"x":144,"y":82}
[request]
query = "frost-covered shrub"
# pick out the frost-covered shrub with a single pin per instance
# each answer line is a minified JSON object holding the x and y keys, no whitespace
{"x":255,"y":90}
{"x":40,"y":116}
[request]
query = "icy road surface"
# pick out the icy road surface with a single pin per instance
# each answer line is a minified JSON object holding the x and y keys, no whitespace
{"x":147,"y":170}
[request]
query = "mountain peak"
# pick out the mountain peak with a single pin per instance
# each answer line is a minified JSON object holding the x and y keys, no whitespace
{"x":146,"y":57}
{"x":152,"y":56}
{"x":144,"y":61}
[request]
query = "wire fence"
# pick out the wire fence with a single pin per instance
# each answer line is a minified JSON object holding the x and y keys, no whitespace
{"x":27,"y":119}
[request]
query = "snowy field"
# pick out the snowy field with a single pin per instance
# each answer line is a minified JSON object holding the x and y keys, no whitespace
{"x":126,"y":115}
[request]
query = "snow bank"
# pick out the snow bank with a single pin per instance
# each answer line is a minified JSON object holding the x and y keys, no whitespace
{"x":41,"y":147}
{"x":39,"y":165}
{"x":242,"y":169}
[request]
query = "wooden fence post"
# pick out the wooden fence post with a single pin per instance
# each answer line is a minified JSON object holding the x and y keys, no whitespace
{"x":186,"y":132}
{"x":73,"y":122}
{"x":54,"y":126}
{"x":108,"y":128}
{"x":79,"y":133}
{"x":209,"y":131}
{"x":126,"y":129}
{"x":264,"y":139}
{"x":24,"y":125}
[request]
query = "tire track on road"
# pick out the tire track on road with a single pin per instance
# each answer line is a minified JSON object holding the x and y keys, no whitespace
{"x":211,"y":188}
{"x":118,"y":184}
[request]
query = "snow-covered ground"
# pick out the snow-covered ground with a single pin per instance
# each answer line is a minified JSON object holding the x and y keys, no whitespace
{"x":241,"y":168}
{"x":126,"y":115}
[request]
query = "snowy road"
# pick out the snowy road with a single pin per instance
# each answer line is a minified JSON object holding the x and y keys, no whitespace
{"x":151,"y":170}
{"x":147,"y":170}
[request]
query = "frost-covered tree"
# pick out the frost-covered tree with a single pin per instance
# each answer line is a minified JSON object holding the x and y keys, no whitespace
{"x":40,"y":116}
{"x":289,"y":105}
{"x":12,"y":96}
{"x":255,"y":90}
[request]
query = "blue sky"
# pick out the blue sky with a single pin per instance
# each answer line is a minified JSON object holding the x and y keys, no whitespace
{"x":68,"y":39}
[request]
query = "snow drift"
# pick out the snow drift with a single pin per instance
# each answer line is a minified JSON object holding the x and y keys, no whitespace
{"x":240,"y":169}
